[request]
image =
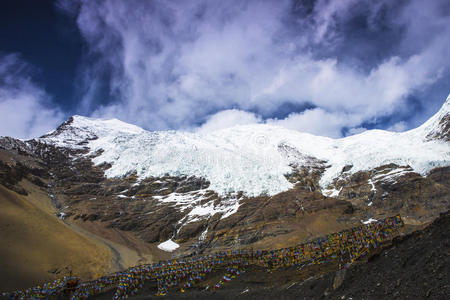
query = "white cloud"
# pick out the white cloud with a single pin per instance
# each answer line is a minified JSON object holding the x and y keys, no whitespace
{"x":316,"y":121}
{"x":398,"y":127}
{"x":25,"y":109}
{"x":172,"y":63}
{"x":228,"y":118}
{"x":356,"y":130}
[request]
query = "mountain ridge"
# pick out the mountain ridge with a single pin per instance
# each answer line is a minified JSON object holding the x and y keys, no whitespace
{"x":242,"y":147}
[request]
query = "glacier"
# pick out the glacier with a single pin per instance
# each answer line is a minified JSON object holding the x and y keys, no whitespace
{"x":247,"y":158}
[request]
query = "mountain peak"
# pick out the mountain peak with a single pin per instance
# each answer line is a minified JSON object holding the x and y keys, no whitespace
{"x":103,"y":124}
{"x":78,"y":130}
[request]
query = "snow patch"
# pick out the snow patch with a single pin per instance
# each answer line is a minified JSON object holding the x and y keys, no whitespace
{"x":373,"y":189}
{"x":333,"y":192}
{"x":392,"y":175}
{"x":226,"y":207}
{"x":371,"y":220}
{"x":182,"y":201}
{"x":168,"y":246}
{"x":203,"y":235}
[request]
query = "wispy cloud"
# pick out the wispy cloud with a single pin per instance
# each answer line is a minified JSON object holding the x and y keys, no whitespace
{"x":25,"y":109}
{"x":187,"y":64}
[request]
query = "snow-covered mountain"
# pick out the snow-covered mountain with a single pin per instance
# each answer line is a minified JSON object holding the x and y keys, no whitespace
{"x":254,"y":159}
{"x":246,"y":186}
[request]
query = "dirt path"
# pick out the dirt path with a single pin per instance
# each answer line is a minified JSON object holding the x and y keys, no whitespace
{"x":118,"y":263}
{"x":133,"y":247}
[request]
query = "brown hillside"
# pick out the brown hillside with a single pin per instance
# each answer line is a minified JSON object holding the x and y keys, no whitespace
{"x":35,"y":246}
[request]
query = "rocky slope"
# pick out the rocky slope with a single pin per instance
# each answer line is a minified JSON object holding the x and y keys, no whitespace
{"x":249,"y":186}
{"x":415,"y":266}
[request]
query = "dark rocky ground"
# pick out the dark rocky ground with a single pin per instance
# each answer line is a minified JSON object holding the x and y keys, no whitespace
{"x":415,"y":266}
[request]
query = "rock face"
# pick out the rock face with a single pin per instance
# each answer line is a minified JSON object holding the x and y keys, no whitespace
{"x":186,"y":187}
{"x":443,"y":133}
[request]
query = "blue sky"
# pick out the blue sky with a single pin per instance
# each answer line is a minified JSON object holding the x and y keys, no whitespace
{"x":328,"y":67}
